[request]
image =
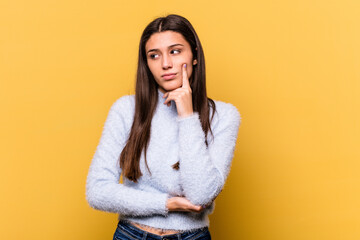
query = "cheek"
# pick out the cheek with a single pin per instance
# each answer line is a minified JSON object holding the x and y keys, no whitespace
{"x":189,"y":67}
{"x":152,"y":68}
{"x":190,"y":70}
{"x":181,"y":62}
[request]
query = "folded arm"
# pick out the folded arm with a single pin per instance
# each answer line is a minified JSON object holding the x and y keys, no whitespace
{"x":103,"y":190}
{"x":203,"y":170}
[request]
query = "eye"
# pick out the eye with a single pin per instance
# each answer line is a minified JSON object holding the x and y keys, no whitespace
{"x":176,"y":51}
{"x":153,"y":56}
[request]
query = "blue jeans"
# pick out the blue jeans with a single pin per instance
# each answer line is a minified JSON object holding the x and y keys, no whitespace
{"x":126,"y":231}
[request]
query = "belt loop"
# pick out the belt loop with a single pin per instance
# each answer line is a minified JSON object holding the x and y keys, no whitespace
{"x":145,"y":235}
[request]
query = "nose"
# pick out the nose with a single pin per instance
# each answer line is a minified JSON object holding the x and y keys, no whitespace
{"x":166,"y":62}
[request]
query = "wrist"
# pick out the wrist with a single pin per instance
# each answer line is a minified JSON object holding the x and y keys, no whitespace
{"x":186,"y":115}
{"x":170,"y":204}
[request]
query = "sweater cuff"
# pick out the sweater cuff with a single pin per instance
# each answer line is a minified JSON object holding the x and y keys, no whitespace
{"x":195,"y":115}
{"x":190,"y":125}
{"x":166,"y":212}
{"x":162,"y":204}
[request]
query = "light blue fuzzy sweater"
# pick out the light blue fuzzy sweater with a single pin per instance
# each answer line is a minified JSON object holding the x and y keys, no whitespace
{"x":200,"y":178}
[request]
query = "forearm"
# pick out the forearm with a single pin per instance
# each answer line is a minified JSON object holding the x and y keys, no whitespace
{"x":204,"y":169}
{"x":114,"y":197}
{"x":200,"y":178}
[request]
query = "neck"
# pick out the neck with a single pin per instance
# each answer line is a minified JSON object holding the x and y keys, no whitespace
{"x":161,"y":90}
{"x":161,"y":101}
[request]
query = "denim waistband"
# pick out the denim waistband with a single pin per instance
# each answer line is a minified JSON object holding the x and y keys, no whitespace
{"x":134,"y":232}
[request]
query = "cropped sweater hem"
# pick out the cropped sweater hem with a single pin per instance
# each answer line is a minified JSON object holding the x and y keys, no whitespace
{"x":161,"y":229}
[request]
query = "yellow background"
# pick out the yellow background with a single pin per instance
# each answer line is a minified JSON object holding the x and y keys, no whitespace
{"x":292,"y":68}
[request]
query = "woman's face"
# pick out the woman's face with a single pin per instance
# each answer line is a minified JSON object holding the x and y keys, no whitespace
{"x":166,"y":52}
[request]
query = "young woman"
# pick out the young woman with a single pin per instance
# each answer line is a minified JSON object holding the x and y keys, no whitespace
{"x":172,"y":144}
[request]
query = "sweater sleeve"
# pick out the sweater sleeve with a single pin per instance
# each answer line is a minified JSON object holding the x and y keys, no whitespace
{"x":203,"y":170}
{"x":103,"y":190}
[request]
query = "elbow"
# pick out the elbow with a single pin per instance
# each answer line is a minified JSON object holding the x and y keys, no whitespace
{"x":92,"y":197}
{"x":206,"y":194}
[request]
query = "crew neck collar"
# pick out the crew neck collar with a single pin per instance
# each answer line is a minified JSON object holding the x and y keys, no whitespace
{"x":161,"y":101}
{"x":161,"y":94}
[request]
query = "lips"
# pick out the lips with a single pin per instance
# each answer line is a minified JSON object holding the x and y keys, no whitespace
{"x":168,"y":76}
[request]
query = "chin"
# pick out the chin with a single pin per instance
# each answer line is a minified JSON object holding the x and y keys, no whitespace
{"x":171,"y":86}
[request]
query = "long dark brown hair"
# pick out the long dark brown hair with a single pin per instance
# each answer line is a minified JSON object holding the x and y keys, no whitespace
{"x":146,"y":94}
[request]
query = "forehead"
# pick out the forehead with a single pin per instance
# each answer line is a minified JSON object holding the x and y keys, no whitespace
{"x":165,"y":39}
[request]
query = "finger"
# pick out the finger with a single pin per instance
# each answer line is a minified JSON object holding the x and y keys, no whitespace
{"x":168,"y":103}
{"x":197,"y":208}
{"x":185,"y":80}
{"x":172,"y":95}
{"x":168,"y":99}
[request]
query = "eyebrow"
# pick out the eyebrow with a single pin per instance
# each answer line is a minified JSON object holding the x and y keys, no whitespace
{"x":155,"y":49}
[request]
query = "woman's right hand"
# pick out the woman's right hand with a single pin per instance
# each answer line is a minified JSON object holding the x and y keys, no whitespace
{"x":182,"y":204}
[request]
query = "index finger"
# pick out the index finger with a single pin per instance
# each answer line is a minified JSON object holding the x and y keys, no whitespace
{"x":185,"y":80}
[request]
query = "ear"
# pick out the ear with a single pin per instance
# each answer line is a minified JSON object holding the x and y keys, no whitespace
{"x":194,"y":62}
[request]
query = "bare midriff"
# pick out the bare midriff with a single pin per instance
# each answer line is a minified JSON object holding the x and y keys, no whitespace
{"x":155,"y":230}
